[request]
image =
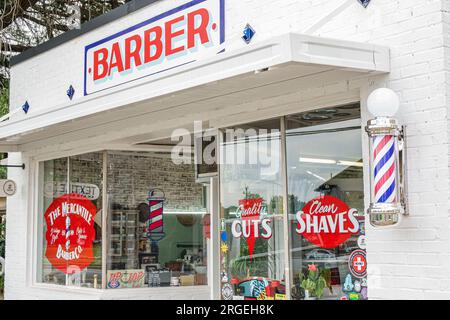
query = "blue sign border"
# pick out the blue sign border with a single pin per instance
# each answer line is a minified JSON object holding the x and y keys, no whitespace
{"x":144,"y":23}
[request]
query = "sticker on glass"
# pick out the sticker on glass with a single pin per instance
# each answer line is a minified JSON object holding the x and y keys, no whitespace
{"x":362,"y":242}
{"x":327,"y":222}
{"x":357,"y":263}
{"x":227,"y":291}
{"x":70,"y":233}
{"x":252,"y":223}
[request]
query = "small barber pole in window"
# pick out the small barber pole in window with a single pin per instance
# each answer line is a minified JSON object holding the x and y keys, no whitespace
{"x":156,"y":200}
{"x":387,"y":160}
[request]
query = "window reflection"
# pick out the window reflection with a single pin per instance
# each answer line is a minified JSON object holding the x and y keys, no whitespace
{"x":252,"y":256}
{"x":324,"y":161}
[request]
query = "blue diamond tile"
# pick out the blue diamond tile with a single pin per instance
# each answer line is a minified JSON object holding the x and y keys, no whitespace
{"x":70,"y":92}
{"x":26,"y":107}
{"x":364,"y":3}
{"x":249,"y":33}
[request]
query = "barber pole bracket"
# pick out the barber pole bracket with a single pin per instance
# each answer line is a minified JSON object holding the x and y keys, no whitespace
{"x":156,"y":201}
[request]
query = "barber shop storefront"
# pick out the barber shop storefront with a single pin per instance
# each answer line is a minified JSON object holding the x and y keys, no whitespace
{"x":208,"y":150}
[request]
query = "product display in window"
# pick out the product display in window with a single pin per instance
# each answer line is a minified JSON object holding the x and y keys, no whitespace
{"x":157,"y":221}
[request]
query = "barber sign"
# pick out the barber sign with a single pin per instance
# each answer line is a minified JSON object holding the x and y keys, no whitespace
{"x":70,"y":234}
{"x":327,"y":222}
{"x":161,"y":43}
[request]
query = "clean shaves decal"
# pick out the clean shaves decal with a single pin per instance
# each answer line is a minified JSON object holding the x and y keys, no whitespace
{"x":164,"y":42}
{"x":327,"y":222}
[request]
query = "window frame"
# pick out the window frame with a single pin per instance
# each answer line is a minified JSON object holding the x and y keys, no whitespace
{"x":35,"y":223}
{"x":287,"y":245}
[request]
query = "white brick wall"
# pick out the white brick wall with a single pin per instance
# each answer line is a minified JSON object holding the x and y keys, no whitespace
{"x":409,"y":262}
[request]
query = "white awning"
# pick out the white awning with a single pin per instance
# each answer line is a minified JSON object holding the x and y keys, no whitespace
{"x":234,"y":75}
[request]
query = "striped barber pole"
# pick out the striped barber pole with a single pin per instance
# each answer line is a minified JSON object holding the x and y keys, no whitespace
{"x":384,"y":168}
{"x":156,"y":222}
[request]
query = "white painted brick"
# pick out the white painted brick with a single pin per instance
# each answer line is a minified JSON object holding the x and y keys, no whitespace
{"x":418,"y":34}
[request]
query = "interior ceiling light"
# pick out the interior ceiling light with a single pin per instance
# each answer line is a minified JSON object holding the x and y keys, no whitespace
{"x":312,"y":116}
{"x":326,"y":111}
{"x":331,"y":161}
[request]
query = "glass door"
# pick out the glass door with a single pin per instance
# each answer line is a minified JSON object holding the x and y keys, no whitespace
{"x":292,"y":208}
{"x":251,"y":231}
{"x":326,"y":205}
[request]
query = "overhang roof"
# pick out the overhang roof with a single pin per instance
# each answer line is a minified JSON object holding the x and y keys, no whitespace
{"x":234,"y":76}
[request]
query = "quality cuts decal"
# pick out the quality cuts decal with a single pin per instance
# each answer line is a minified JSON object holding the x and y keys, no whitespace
{"x":161,"y":43}
{"x":70,"y":232}
{"x":252,"y":223}
{"x":327,"y":222}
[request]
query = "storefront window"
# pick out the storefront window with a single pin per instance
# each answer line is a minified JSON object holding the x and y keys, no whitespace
{"x":252,"y":263}
{"x":326,"y":204}
{"x":291,"y":199}
{"x":323,"y":184}
{"x":157,"y":219}
{"x":70,"y":219}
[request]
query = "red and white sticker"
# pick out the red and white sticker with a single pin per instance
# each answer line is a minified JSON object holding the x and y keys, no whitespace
{"x":252,"y":225}
{"x":70,"y":233}
{"x":327,"y":222}
{"x":190,"y":32}
{"x":357,"y":263}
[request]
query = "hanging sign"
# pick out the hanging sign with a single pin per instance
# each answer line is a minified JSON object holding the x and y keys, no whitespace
{"x":70,"y":233}
{"x":7,"y":188}
{"x":327,"y":222}
{"x":252,"y":224}
{"x":55,"y":189}
{"x":161,"y":43}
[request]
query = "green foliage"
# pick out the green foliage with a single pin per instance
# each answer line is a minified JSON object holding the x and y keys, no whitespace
{"x":245,"y":268}
{"x":4,"y":109}
{"x":4,"y":101}
{"x":314,"y":282}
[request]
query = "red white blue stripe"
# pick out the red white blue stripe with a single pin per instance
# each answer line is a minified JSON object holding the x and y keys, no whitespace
{"x":384,"y":168}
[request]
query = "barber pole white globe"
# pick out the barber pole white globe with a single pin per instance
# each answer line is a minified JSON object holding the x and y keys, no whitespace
{"x":385,"y":207}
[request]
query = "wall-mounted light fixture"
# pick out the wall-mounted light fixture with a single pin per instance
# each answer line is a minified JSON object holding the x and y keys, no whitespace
{"x":387,"y":160}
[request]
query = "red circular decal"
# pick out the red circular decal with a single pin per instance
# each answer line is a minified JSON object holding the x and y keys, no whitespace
{"x":357,"y":263}
{"x":327,"y":222}
{"x":70,"y":233}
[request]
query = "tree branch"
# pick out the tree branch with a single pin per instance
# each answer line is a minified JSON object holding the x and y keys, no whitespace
{"x":13,"y":47}
{"x":57,"y":26}
{"x":14,"y":10}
